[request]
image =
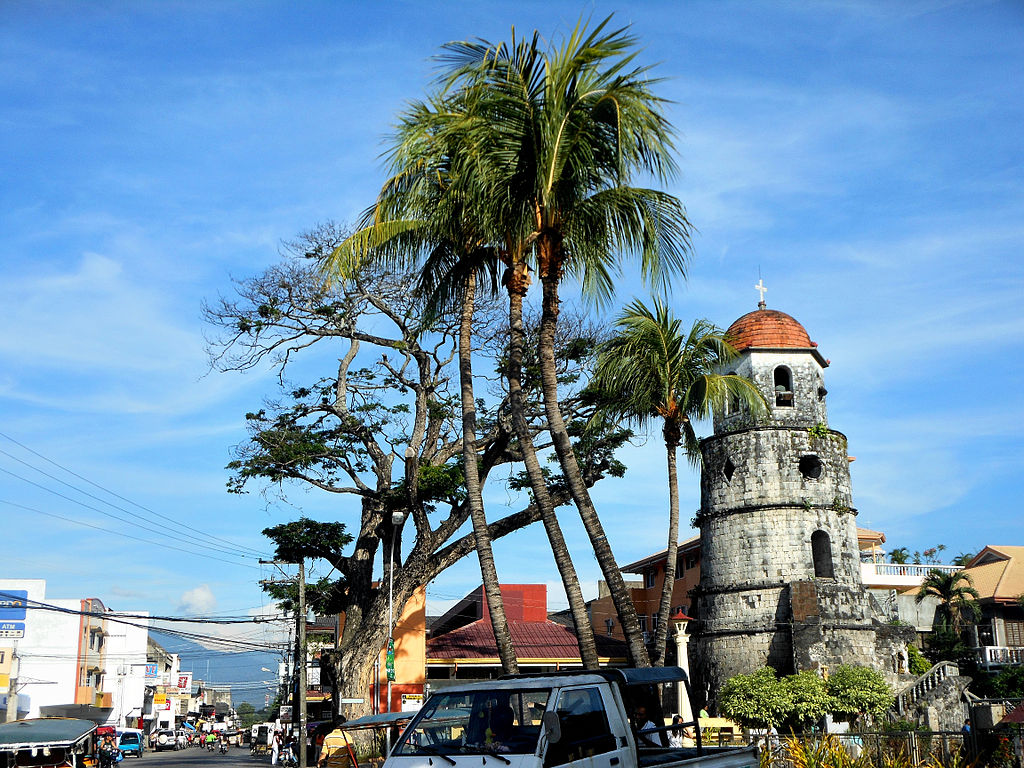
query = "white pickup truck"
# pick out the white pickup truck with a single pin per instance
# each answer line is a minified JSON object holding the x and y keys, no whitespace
{"x":580,"y":719}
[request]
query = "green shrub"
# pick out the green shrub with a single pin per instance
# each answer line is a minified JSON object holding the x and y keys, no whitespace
{"x":917,"y":662}
{"x":858,"y":689}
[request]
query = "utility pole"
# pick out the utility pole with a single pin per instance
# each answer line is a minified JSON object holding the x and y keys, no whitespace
{"x":301,"y":638}
{"x":12,"y":691}
{"x":299,"y":699}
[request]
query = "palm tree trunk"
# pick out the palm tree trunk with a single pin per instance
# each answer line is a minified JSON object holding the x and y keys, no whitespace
{"x":621,"y":598}
{"x":488,"y":573}
{"x":671,"y":433}
{"x":563,"y":560}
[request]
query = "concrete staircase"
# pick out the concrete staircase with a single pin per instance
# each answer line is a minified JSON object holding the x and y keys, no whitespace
{"x":935,"y":698}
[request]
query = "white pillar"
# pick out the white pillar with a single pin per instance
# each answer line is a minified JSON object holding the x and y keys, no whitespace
{"x":683,"y":660}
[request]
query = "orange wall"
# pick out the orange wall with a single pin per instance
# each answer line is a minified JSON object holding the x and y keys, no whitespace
{"x":410,"y":653}
{"x":648,"y":600}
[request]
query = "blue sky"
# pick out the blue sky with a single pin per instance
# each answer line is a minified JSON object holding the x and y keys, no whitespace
{"x":864,"y":158}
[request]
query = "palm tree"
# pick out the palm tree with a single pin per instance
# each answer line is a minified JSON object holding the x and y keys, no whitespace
{"x":899,"y":556}
{"x":521,"y":65}
{"x":424,"y":211}
{"x":956,"y":594}
{"x":561,"y":135}
{"x":963,"y":559}
{"x":401,"y":223}
{"x":652,"y":369}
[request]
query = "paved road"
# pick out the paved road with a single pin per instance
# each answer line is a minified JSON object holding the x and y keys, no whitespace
{"x":193,"y":757}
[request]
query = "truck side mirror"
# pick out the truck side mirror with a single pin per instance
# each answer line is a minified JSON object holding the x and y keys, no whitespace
{"x":552,"y":727}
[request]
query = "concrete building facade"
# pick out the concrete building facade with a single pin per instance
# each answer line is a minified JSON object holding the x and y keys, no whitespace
{"x":73,"y":657}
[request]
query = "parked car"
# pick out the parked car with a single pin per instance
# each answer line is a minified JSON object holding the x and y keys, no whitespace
{"x":165,"y":739}
{"x":131,"y":742}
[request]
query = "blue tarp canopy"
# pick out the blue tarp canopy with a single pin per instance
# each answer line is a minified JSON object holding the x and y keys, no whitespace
{"x":382,"y":720}
{"x":189,"y":726}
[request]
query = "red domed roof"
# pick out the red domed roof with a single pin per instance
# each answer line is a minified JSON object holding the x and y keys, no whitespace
{"x":768,"y":328}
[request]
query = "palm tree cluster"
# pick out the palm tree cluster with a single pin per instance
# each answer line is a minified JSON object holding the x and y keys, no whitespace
{"x":522,"y":163}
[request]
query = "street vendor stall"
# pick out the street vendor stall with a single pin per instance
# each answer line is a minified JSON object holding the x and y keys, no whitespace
{"x":48,"y":742}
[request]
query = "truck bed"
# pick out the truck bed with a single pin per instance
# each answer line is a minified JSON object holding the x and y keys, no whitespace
{"x":714,"y":757}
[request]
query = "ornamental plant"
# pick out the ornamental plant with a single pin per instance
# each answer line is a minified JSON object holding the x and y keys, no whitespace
{"x":808,"y":697}
{"x":856,"y":690}
{"x":760,"y":699}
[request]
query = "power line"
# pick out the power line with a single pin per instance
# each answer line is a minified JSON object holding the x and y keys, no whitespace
{"x":111,"y":515}
{"x":166,"y":519}
{"x":120,"y":533}
{"x":212,"y":640}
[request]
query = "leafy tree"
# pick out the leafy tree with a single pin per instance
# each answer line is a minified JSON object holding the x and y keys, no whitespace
{"x":247,"y":714}
{"x":382,"y":429}
{"x":856,"y":690}
{"x":559,"y":136}
{"x":763,"y":700}
{"x":652,"y":369}
{"x":945,"y":643}
{"x":759,"y":699}
{"x":809,"y":699}
{"x":1009,"y":683}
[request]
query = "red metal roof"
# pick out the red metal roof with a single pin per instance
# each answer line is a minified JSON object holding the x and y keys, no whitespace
{"x":532,"y":640}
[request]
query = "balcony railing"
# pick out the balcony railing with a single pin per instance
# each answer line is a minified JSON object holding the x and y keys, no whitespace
{"x":911,"y":569}
{"x":900,"y":574}
{"x":999,"y":656}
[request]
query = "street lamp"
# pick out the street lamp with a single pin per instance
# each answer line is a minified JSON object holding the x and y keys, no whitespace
{"x":679,"y":621}
{"x":397,"y":518}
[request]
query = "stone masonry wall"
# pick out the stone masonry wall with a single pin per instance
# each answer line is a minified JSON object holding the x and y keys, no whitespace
{"x":770,"y":486}
{"x":807,"y":380}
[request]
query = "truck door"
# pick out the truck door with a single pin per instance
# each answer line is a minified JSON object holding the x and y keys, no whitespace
{"x":589,"y":738}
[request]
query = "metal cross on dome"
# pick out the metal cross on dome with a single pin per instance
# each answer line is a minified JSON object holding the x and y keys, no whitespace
{"x":762,"y":290}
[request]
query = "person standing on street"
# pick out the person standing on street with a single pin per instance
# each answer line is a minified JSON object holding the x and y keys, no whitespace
{"x":275,"y":748}
{"x":336,"y":750}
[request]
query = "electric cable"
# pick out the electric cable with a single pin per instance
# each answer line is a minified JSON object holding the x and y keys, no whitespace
{"x":120,"y":533}
{"x":238,"y":547}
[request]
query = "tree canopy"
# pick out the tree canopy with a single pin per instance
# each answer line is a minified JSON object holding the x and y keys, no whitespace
{"x":376,"y":421}
{"x":797,"y":701}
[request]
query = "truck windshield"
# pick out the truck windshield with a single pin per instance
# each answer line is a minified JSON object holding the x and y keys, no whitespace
{"x":476,"y":722}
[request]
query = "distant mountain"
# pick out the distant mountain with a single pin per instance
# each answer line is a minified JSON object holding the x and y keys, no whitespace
{"x":241,"y":671}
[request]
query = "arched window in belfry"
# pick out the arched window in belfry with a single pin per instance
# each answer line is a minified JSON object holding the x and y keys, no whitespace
{"x":783,"y":381}
{"x":821,"y":551}
{"x":732,"y":402}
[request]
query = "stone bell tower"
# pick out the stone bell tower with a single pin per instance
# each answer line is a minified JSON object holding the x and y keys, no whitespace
{"x":780,"y":577}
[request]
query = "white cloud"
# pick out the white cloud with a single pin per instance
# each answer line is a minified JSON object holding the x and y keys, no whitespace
{"x":197,"y":601}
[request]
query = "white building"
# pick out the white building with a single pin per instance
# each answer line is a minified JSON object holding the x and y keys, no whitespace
{"x":69,"y":653}
{"x":126,"y":666}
